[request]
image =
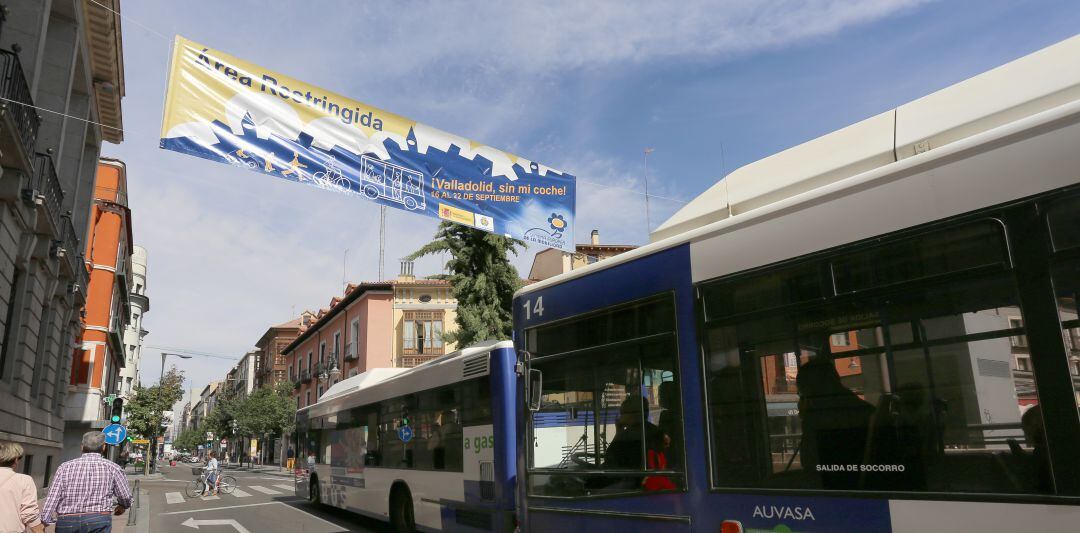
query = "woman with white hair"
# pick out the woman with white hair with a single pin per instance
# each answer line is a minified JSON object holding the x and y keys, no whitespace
{"x":18,"y":494}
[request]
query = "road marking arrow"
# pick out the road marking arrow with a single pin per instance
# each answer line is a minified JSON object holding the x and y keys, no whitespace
{"x":192,"y":523}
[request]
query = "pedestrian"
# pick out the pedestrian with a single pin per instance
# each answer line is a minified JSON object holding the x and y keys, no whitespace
{"x":290,"y":458}
{"x":87,"y":491}
{"x":18,"y":494}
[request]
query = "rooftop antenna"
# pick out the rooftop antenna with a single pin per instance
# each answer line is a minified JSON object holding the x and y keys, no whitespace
{"x":382,"y":240}
{"x":344,"y":259}
{"x":648,"y":223}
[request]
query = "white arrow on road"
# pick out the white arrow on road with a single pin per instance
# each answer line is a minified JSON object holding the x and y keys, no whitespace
{"x":192,"y":523}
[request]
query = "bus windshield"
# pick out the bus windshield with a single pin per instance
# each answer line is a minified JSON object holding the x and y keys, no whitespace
{"x":609,"y":419}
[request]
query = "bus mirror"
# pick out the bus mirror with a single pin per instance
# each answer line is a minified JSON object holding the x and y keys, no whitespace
{"x":536,"y":382}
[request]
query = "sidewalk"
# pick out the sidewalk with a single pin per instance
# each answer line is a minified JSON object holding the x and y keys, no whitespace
{"x":120,"y":523}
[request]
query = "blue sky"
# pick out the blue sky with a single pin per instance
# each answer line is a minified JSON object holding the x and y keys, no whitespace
{"x":580,"y":86}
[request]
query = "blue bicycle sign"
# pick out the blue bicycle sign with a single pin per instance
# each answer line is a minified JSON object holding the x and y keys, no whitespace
{"x":405,"y":433}
{"x":114,"y":434}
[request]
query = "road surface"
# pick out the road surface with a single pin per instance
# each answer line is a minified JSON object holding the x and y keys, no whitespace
{"x":261,"y":503}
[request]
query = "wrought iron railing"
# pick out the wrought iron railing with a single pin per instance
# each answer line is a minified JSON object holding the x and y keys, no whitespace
{"x":305,"y":375}
{"x":17,"y":101}
{"x":46,"y":183}
{"x":3,"y":17}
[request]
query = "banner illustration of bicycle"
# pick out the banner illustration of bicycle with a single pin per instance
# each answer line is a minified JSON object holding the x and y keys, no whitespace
{"x":224,"y":109}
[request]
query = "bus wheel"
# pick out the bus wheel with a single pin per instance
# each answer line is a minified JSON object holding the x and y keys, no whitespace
{"x":371,"y":191}
{"x":401,"y":510}
{"x":410,"y":203}
{"x":314,"y":493}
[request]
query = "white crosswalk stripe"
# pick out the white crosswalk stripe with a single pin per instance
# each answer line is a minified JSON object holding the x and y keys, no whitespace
{"x":239,"y":493}
{"x":286,"y":488}
{"x":263,"y":490}
{"x":173,"y":497}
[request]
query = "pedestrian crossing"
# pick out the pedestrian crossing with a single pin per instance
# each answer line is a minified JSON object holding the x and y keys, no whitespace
{"x":173,"y":498}
{"x":263,"y":490}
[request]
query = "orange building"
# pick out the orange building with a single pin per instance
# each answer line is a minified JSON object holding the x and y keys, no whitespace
{"x":101,"y":355}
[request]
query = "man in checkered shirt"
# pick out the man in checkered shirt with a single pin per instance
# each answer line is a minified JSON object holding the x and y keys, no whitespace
{"x":86,"y":492}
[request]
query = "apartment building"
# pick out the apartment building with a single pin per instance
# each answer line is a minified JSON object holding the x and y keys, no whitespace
{"x":102,"y":354}
{"x":63,"y":55}
{"x":134,"y":332}
{"x":397,"y":323}
{"x":271,"y":366}
{"x":552,"y":262}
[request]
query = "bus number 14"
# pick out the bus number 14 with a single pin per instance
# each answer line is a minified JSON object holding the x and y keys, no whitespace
{"x":530,"y":309}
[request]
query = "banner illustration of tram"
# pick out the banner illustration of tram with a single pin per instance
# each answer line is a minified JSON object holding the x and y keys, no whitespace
{"x":224,"y":109}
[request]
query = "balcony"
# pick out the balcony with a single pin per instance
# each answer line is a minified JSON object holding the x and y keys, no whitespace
{"x":410,"y":361}
{"x":73,"y":254}
{"x":19,"y":121}
{"x":44,"y":191}
{"x":296,"y":384}
{"x":428,"y":350}
{"x":350,"y":352}
{"x":305,"y":375}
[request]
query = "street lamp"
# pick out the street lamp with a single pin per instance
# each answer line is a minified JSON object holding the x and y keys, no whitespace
{"x":333,"y":375}
{"x":163,"y":354}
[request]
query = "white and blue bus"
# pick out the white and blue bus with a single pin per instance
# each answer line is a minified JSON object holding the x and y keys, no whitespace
{"x":427,"y":448}
{"x":873,"y":331}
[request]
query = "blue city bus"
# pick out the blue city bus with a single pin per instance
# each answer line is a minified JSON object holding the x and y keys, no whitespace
{"x":876,"y":330}
{"x":428,"y":448}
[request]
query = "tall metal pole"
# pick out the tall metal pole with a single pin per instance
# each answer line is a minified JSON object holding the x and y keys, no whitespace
{"x":382,"y":240}
{"x":344,"y":260}
{"x":648,"y":223}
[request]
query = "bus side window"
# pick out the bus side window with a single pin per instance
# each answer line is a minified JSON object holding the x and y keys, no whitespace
{"x":911,"y":376}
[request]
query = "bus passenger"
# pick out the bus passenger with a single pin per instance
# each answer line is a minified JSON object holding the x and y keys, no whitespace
{"x":670,"y":420}
{"x":656,"y":459}
{"x":631,"y":431}
{"x":1035,"y":435}
{"x":835,"y":424}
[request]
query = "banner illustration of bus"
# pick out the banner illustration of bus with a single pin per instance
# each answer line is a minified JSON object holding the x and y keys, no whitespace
{"x":379,"y":179}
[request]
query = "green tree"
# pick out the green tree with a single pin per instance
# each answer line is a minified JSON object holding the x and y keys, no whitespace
{"x":189,"y":440}
{"x":482,"y":278}
{"x":267,"y":412}
{"x":145,"y":410}
{"x":220,"y":419}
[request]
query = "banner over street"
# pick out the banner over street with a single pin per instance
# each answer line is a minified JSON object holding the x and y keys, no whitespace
{"x":224,"y":109}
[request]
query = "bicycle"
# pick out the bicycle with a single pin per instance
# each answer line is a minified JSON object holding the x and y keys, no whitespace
{"x":198,"y":487}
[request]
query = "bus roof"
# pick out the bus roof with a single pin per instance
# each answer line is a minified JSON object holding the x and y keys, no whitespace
{"x":376,"y":378}
{"x":1039,"y":81}
{"x":1018,"y":95}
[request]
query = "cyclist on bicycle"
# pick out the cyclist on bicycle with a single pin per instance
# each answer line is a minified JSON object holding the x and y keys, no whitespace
{"x":212,"y":473}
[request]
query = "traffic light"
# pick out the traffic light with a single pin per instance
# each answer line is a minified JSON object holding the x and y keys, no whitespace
{"x":405,"y":419}
{"x":117,"y":411}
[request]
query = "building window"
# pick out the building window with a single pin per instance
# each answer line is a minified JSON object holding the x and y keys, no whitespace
{"x":840,"y":339}
{"x":422,"y":333}
{"x":9,"y":325}
{"x":309,"y":357}
{"x":290,"y":372}
{"x":322,"y":353}
{"x":28,"y":465}
{"x":1023,"y":363}
{"x":307,"y":400}
{"x":48,"y":470}
{"x":1018,"y":341}
{"x":336,"y":353}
